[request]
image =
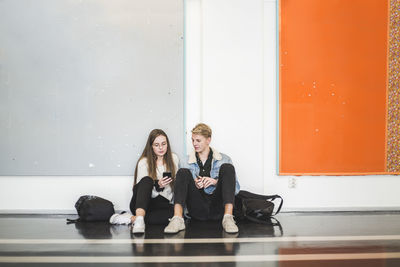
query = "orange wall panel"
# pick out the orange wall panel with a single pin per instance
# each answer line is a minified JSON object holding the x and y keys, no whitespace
{"x":333,"y":79}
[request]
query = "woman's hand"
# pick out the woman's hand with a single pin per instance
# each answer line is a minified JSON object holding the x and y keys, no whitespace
{"x":207,"y":181}
{"x":164,"y":181}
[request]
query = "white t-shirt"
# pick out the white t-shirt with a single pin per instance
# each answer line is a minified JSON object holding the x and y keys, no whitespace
{"x":143,"y":171}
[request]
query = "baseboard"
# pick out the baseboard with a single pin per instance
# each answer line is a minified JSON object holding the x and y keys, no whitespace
{"x":339,"y":209}
{"x":35,"y":211}
{"x":284,"y":210}
{"x":25,"y":211}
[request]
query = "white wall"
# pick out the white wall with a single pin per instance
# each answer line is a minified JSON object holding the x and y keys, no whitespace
{"x":231,"y":85}
{"x":50,"y":194}
{"x":238,"y":100}
{"x":231,"y":66}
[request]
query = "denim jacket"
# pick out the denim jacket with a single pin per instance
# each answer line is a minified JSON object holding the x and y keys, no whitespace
{"x":217,"y":161}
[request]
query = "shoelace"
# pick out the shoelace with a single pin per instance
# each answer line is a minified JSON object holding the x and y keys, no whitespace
{"x":170,"y":219}
{"x":232,"y":218}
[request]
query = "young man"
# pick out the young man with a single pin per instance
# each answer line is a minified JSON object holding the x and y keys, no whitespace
{"x":206,"y":187}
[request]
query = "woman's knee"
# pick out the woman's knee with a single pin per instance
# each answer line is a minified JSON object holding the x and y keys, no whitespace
{"x":146,"y":180}
{"x":146,"y":183}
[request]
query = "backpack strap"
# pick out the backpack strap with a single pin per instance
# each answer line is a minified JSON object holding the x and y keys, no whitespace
{"x":69,"y":221}
{"x":246,"y":195}
{"x":277,"y":223}
{"x":272,"y":198}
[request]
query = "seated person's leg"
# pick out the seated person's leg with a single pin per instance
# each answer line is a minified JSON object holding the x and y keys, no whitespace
{"x":141,"y":192}
{"x":141,"y":196}
{"x":224,"y":197}
{"x":159,"y":211}
{"x":227,"y":180}
{"x":187,"y":195}
{"x":224,"y":193}
{"x":182,"y":180}
{"x":140,"y":203}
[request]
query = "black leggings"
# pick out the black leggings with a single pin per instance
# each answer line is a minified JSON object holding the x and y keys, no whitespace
{"x":158,"y":209}
{"x":202,"y":206}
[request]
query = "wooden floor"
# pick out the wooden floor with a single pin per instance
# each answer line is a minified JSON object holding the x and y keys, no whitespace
{"x":302,"y":239}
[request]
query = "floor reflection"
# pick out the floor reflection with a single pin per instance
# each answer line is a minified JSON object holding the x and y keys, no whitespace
{"x":343,"y":256}
{"x":94,"y":230}
{"x":308,"y":239}
{"x":177,"y":246}
{"x":194,"y":229}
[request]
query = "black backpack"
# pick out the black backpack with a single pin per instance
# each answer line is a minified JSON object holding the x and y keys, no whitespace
{"x":93,"y":208}
{"x":256,"y":208}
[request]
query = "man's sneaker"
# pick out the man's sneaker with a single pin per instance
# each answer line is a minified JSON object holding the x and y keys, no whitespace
{"x":175,"y":225}
{"x":138,"y":226}
{"x":124,"y":218}
{"x":229,"y":225}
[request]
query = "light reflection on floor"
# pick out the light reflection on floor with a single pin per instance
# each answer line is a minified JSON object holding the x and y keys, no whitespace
{"x":301,"y":239}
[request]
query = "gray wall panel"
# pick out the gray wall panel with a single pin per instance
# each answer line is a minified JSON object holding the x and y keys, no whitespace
{"x":83,"y":82}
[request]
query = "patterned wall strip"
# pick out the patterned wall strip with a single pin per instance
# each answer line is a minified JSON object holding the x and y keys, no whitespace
{"x":393,"y":134}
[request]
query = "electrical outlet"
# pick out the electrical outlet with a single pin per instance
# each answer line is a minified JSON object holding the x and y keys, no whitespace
{"x":292,"y":182}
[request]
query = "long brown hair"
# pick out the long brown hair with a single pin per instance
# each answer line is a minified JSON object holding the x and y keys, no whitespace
{"x":151,"y":157}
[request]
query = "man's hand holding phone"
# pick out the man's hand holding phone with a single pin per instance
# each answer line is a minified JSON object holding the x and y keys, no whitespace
{"x":204,"y":182}
{"x":199,"y":182}
{"x":208,"y":181}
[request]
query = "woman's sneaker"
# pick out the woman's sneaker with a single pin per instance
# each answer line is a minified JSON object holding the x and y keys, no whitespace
{"x":138,"y":226}
{"x":123,"y":218}
{"x":175,"y":225}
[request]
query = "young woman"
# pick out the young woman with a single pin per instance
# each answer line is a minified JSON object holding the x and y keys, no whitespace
{"x":152,"y":200}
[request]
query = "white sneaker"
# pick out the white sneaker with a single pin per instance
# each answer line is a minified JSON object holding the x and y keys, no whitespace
{"x":138,"y":225}
{"x":175,"y":225}
{"x":229,"y":224}
{"x":124,"y":218}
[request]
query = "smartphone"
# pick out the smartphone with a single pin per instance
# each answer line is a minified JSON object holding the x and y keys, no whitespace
{"x":168,"y":174}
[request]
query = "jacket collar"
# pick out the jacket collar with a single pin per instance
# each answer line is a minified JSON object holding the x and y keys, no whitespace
{"x":216,"y":156}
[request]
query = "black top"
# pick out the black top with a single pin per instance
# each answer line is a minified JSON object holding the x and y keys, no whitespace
{"x":205,"y":169}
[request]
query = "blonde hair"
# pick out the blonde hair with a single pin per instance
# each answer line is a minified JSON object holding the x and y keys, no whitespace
{"x":202,"y":129}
